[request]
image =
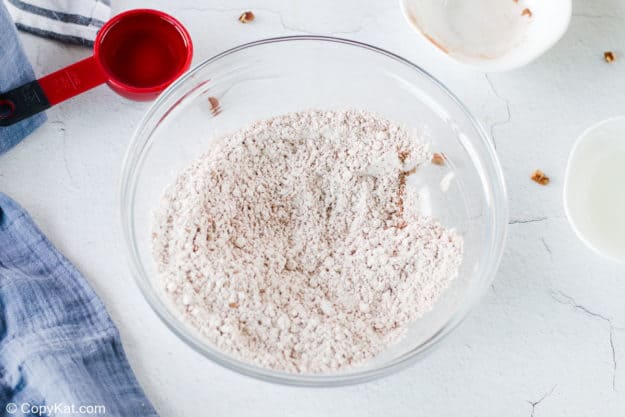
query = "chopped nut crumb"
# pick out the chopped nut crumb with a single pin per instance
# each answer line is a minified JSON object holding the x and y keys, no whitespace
{"x":246,"y":17}
{"x":438,"y":159}
{"x":402,"y":155}
{"x":608,"y":56}
{"x":409,"y":172}
{"x":403,"y":175}
{"x":526,"y":12}
{"x":233,"y":305}
{"x":215,"y":105}
{"x":540,"y":177}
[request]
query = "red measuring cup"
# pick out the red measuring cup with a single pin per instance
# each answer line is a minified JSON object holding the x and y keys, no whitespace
{"x":138,"y":53}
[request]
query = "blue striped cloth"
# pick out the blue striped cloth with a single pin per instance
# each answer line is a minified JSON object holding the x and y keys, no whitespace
{"x":14,"y":71}
{"x":58,"y":345}
{"x":74,"y":21}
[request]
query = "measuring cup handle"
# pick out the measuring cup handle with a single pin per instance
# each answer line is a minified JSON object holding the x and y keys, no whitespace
{"x":36,"y":96}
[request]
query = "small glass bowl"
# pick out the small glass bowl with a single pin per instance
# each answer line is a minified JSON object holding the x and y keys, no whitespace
{"x":280,"y":75}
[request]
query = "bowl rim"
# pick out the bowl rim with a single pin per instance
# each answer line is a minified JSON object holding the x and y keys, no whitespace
{"x":499,"y":211}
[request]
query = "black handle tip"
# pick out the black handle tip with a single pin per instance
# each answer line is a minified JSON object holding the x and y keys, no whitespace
{"x":21,"y":103}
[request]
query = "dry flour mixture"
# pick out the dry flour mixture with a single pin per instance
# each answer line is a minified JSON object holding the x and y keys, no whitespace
{"x":295,"y":244}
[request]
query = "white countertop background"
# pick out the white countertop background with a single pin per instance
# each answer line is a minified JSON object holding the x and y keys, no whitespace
{"x":547,"y":340}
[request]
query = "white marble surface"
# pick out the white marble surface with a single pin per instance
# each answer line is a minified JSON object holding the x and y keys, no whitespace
{"x":547,"y":340}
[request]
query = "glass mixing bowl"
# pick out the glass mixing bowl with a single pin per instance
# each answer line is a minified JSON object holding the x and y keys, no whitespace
{"x":274,"y":76}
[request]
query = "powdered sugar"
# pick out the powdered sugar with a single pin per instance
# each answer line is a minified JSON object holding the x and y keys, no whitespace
{"x":295,"y":243}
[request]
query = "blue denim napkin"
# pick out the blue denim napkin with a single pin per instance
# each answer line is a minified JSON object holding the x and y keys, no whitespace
{"x":58,"y":345}
{"x":15,"y":70}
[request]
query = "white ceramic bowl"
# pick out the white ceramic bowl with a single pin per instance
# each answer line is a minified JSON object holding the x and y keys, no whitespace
{"x":490,"y":35}
{"x":594,"y":188}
